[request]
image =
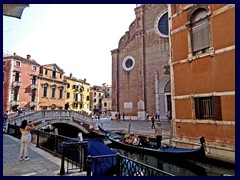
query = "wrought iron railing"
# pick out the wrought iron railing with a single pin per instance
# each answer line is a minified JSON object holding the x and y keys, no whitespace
{"x":74,"y":153}
{"x":119,"y":165}
{"x":71,"y":151}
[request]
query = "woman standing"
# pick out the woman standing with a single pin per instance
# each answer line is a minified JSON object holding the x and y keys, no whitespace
{"x":25,"y":129}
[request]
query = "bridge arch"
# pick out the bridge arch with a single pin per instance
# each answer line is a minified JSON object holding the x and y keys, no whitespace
{"x":71,"y":123}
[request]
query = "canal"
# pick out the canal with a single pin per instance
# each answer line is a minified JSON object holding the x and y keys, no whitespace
{"x":206,"y":167}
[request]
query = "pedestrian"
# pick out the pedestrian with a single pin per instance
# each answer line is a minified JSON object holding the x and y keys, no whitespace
{"x":123,"y":115}
{"x":147,"y":116}
{"x":156,"y":116}
{"x":66,"y":106}
{"x":153,"y":122}
{"x":168,"y":115}
{"x":158,"y":134}
{"x":119,"y":116}
{"x":5,"y":117}
{"x":98,"y":116}
{"x":20,"y":112}
{"x":25,"y":129}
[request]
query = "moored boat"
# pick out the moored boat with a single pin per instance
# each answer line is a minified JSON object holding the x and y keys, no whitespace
{"x":163,"y":152}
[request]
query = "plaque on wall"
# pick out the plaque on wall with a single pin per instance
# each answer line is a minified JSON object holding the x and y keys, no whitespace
{"x":127,"y":105}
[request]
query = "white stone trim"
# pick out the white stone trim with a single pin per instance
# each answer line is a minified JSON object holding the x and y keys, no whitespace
{"x":156,"y":24}
{"x":124,"y":63}
{"x":227,"y":93}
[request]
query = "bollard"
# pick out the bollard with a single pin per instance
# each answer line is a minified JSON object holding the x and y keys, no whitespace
{"x":55,"y":146}
{"x":89,"y":165}
{"x":37,"y":144}
{"x":62,"y":170}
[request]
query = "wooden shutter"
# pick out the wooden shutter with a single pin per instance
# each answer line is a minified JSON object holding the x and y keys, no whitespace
{"x":217,"y":113}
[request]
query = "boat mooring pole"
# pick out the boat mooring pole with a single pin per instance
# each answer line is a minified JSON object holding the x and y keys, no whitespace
{"x":129,"y":126}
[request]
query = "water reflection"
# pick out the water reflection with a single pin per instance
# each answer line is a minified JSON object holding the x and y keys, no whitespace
{"x":178,"y":167}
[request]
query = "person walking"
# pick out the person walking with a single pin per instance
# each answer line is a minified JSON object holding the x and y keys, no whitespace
{"x":123,"y":115}
{"x":169,"y":115}
{"x":153,"y":121}
{"x":25,"y":129}
{"x":66,"y":106}
{"x":147,"y":116}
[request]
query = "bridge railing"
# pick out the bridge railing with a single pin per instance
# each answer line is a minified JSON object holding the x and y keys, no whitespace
{"x":44,"y":115}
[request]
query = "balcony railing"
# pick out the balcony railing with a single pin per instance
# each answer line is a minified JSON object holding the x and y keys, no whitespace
{"x":15,"y":103}
{"x":33,"y":104}
{"x":16,"y":84}
{"x":33,"y":86}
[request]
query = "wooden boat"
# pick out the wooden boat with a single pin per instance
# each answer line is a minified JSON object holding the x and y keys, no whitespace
{"x":163,"y":152}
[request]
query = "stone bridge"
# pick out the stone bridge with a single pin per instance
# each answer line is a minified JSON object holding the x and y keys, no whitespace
{"x":42,"y":118}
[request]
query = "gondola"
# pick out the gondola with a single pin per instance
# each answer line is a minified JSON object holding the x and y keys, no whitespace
{"x":163,"y":152}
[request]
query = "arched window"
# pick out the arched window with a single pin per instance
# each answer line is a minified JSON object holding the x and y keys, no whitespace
{"x":54,"y":72}
{"x":45,"y":90}
{"x":200,"y":31}
{"x":53,"y":90}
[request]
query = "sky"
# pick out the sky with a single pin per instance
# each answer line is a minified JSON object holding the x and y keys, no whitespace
{"x":77,"y":37}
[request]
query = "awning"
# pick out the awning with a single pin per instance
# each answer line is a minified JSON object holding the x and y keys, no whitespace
{"x":14,"y":10}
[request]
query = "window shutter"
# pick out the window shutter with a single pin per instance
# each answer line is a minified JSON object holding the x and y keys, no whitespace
{"x":201,"y":37}
{"x":217,"y":115}
{"x":197,"y":111}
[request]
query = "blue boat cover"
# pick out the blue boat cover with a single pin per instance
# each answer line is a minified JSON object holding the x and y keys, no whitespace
{"x":96,"y":147}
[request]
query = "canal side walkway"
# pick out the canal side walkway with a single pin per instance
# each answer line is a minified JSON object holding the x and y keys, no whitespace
{"x":42,"y":163}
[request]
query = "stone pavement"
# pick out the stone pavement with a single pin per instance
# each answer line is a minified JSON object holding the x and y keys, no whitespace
{"x":41,"y":163}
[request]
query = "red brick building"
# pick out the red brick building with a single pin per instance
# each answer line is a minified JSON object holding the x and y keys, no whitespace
{"x":19,"y":83}
{"x":203,"y":76}
{"x":140,"y":68}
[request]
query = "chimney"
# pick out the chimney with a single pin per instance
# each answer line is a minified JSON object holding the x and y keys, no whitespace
{"x":14,"y":54}
{"x":28,"y":56}
{"x":84,"y":80}
{"x":70,"y":75}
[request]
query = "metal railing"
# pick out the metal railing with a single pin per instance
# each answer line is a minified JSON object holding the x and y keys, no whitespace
{"x":119,"y":165}
{"x":74,"y":153}
{"x":71,"y":151}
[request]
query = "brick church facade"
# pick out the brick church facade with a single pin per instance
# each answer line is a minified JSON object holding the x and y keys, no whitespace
{"x":140,"y":65}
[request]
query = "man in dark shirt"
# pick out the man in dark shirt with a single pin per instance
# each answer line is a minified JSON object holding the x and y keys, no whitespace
{"x":66,"y":106}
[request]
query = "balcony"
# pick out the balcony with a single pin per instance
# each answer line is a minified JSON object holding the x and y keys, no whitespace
{"x":16,"y":84}
{"x":33,"y":104}
{"x":33,"y":86}
{"x":15,"y":103}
